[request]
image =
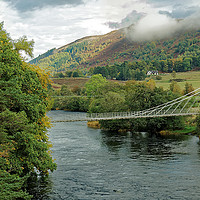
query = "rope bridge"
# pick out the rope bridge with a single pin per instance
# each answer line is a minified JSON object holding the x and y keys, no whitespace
{"x":185,"y":105}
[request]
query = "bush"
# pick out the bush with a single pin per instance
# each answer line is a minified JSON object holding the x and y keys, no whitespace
{"x":158,"y":77}
{"x":71,"y":103}
{"x":177,"y":80}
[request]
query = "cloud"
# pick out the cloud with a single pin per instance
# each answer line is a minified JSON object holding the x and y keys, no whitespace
{"x":56,"y":26}
{"x":54,"y":23}
{"x":29,"y":5}
{"x":164,"y":3}
{"x":181,"y":12}
{"x":158,"y":26}
{"x":152,"y":27}
{"x":131,"y":18}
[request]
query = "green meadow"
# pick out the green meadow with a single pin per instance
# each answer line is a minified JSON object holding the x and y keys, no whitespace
{"x":192,"y":77}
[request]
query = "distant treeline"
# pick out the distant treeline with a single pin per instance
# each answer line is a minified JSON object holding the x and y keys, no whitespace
{"x":137,"y":70}
{"x":69,"y":74}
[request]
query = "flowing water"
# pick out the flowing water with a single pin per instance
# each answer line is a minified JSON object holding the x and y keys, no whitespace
{"x":99,"y":165}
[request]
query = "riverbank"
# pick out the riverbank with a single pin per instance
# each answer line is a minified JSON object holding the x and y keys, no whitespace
{"x":188,"y":129}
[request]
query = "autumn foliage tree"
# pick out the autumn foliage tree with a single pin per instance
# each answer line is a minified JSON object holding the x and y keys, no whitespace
{"x":24,"y":145}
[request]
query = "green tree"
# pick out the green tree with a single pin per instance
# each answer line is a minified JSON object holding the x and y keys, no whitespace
{"x":60,"y":75}
{"x":65,"y":91}
{"x":22,"y":44}
{"x":10,"y":187}
{"x":175,"y":88}
{"x":69,"y":73}
{"x":24,"y":100}
{"x":188,"y":88}
{"x":110,"y":102}
{"x":94,"y":85}
{"x":164,"y":66}
{"x":75,"y":74}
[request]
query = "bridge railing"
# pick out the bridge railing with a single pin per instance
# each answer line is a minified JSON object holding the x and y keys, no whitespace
{"x":188,"y":105}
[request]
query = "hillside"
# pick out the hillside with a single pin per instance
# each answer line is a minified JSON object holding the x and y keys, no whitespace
{"x":115,"y":47}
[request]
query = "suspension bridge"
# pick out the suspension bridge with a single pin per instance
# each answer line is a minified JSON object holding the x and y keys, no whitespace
{"x":186,"y":105}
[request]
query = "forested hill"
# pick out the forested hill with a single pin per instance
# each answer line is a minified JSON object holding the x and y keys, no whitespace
{"x":115,"y":47}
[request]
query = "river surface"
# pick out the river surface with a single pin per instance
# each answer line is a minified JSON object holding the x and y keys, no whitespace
{"x":99,"y":165}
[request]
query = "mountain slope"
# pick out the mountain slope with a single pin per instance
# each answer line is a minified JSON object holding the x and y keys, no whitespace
{"x":115,"y":47}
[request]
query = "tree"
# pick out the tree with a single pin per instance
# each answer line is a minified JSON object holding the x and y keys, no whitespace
{"x":101,"y":70}
{"x":110,"y":102}
{"x":112,"y":70}
{"x":24,"y":101}
{"x":188,"y":88}
{"x":10,"y":187}
{"x":69,"y":73}
{"x":158,"y":77}
{"x":22,"y":44}
{"x":164,"y":66}
{"x":75,"y":74}
{"x":173,"y":74}
{"x":76,"y":90}
{"x":152,"y":84}
{"x":94,"y":84}
{"x":60,"y":75}
{"x":139,"y":75}
{"x":175,"y":88}
{"x":65,"y":91}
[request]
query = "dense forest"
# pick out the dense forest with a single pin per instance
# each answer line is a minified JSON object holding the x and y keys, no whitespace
{"x":137,"y":70}
{"x":179,"y":53}
{"x":24,"y":101}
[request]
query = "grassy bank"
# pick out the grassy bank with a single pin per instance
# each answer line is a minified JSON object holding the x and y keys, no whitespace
{"x":188,"y":130}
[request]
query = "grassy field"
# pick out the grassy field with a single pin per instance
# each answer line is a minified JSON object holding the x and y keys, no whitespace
{"x":190,"y":77}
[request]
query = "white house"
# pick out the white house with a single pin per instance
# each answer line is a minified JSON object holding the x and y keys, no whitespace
{"x":155,"y":72}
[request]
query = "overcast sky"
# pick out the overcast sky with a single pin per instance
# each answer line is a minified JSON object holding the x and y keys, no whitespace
{"x":54,"y":23}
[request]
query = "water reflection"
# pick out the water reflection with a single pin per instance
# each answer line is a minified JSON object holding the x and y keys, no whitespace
{"x":141,"y":145}
{"x":113,"y":141}
{"x":39,"y":186}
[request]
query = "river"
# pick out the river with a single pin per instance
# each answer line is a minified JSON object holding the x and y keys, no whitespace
{"x":99,"y":165}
